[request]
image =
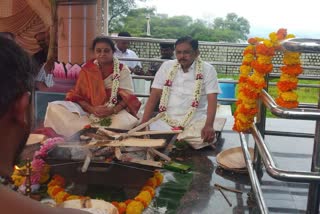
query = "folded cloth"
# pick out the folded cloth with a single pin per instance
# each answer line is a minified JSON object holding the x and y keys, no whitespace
{"x":68,"y":122}
{"x":63,"y":121}
{"x":192,"y":134}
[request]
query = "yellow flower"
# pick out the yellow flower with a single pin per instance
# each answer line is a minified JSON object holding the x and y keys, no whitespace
{"x":248,"y":58}
{"x":289,"y":36}
{"x":245,"y":70}
{"x":145,"y":197}
{"x":289,"y":96}
{"x":72,"y":197}
{"x":59,"y":198}
{"x":134,"y":207}
{"x":287,"y":77}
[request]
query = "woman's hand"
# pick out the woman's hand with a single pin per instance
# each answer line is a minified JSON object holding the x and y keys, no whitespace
{"x":208,"y":133}
{"x":102,"y":111}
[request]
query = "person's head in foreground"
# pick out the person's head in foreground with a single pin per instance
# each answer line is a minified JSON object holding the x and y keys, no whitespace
{"x":8,"y":35}
{"x":103,"y":49}
{"x":16,"y":84}
{"x":187,"y":51}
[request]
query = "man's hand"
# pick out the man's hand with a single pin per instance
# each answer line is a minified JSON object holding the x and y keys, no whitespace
{"x":208,"y":133}
{"x":102,"y":111}
{"x":49,"y":66}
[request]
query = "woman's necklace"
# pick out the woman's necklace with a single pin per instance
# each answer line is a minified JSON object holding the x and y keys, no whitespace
{"x":196,"y":95}
{"x":115,"y":82}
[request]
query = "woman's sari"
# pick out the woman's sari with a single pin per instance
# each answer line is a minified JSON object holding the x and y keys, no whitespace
{"x":91,"y":87}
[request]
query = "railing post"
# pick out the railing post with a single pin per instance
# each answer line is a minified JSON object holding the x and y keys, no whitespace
{"x":314,"y":188}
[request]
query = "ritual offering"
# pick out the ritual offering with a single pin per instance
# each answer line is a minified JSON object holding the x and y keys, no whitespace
{"x":91,"y":205}
{"x":233,"y":159}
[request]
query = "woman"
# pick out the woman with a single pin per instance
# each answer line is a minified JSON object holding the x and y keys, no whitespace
{"x":104,"y":87}
{"x":104,"y":81}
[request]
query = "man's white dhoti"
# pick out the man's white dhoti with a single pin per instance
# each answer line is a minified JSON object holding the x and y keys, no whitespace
{"x":191,"y":133}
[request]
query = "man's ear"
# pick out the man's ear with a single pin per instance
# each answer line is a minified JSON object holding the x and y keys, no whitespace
{"x":20,"y":107}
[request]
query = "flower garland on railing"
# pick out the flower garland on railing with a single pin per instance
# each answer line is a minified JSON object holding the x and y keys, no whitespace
{"x":288,"y":82}
{"x":196,"y":95}
{"x":257,"y":61}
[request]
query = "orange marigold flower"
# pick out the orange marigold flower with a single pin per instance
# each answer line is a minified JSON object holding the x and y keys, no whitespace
{"x":262,"y":68}
{"x":150,"y":190}
{"x":56,"y":190}
{"x":286,"y":104}
{"x":128,"y":201}
{"x":252,"y":41}
{"x":264,"y":50}
{"x":134,"y":207}
{"x":248,"y":51}
{"x":282,"y":33}
{"x":152,"y":182}
{"x":292,"y":69}
{"x":286,"y":85}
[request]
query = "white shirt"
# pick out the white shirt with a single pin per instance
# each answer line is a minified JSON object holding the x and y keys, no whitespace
{"x":127,"y":54}
{"x":182,"y":89}
{"x":44,"y":77}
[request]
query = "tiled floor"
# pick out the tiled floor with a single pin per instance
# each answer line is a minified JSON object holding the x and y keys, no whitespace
{"x":280,"y":197}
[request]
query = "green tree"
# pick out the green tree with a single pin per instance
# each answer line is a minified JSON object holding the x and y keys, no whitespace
{"x":119,"y":9}
{"x":229,"y":29}
{"x":233,"y":28}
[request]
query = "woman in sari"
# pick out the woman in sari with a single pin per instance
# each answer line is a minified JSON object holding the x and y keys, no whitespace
{"x":104,"y":88}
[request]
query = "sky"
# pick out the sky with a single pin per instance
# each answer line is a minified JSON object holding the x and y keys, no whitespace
{"x":301,"y":19}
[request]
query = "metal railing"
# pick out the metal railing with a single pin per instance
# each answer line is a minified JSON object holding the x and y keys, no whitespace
{"x":312,"y":177}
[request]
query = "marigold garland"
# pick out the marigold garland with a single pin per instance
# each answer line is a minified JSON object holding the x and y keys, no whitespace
{"x":56,"y":186}
{"x":256,"y":63}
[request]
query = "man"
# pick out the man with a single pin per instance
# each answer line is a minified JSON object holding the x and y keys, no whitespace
{"x":44,"y":78}
{"x":122,"y":51}
{"x":167,"y":53}
{"x":17,"y":72}
{"x":43,"y":41}
{"x":187,"y":89}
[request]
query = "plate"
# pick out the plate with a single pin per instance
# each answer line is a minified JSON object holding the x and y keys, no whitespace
{"x":233,"y":158}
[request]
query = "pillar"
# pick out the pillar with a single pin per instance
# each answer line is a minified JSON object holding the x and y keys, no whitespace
{"x":76,"y":30}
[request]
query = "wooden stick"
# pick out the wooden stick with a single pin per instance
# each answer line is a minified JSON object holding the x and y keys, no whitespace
{"x":143,"y":125}
{"x":225,"y":197}
{"x":154,"y":132}
{"x":120,"y":136}
{"x":163,"y":156}
{"x":86,"y":163}
{"x":131,"y":142}
{"x":228,"y":188}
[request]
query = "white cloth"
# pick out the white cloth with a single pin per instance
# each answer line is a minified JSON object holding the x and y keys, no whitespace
{"x":127,"y":54}
{"x":181,"y":93}
{"x":44,"y":77}
{"x":125,"y":81}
